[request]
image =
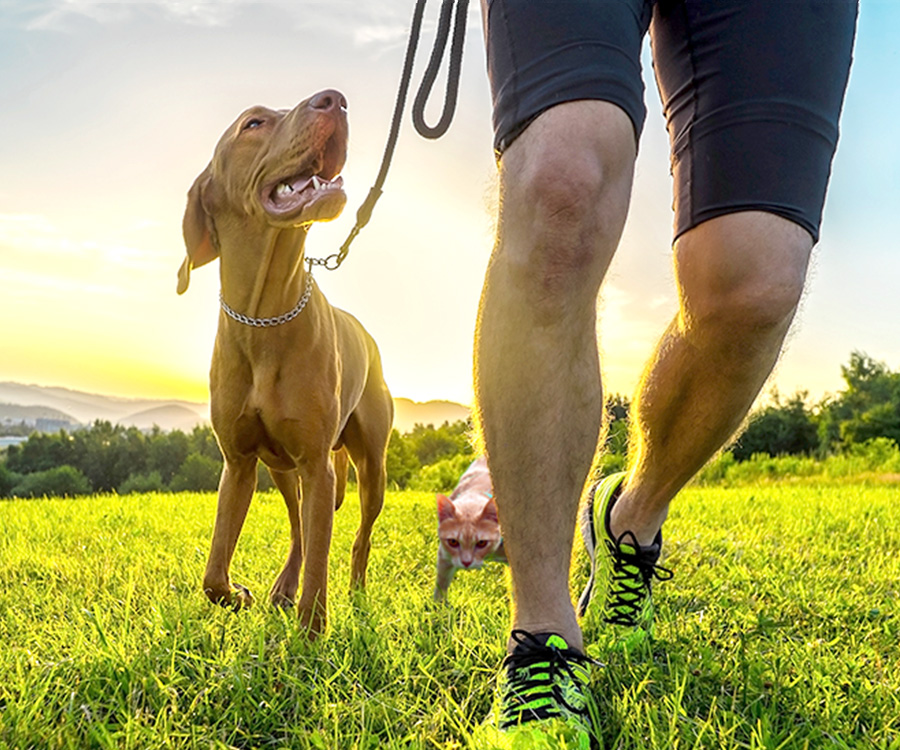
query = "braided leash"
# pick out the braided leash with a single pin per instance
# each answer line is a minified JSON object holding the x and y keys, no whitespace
{"x":333,"y":261}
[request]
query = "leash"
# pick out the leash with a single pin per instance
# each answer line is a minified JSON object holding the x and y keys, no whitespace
{"x":364,"y":213}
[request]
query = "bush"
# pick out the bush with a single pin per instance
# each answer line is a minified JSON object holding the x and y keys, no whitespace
{"x":876,"y":456}
{"x":63,"y":481}
{"x":401,"y":461}
{"x":441,"y":476}
{"x":8,"y":480}
{"x":610,"y":463}
{"x":197,"y":474}
{"x":142,"y":483}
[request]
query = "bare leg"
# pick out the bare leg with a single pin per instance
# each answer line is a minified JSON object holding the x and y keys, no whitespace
{"x":565,"y":187}
{"x":740,"y":279}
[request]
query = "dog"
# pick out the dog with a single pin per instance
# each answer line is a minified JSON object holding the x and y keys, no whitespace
{"x":295,"y":384}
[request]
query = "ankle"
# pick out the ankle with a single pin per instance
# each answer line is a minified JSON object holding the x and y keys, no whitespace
{"x":568,"y":630}
{"x":641,"y":519}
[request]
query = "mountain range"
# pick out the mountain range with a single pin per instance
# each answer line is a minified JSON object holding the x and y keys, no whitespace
{"x":20,"y":402}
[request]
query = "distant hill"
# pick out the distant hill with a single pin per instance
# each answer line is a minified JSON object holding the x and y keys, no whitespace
{"x":79,"y":407}
{"x":173,"y":416}
{"x":16,"y":413}
{"x":85,"y":408}
{"x":407,"y":413}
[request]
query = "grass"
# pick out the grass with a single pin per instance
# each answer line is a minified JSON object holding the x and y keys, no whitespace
{"x":780,"y":630}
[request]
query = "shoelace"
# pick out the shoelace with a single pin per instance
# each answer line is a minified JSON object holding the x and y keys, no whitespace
{"x":632,"y":575}
{"x":532,"y":676}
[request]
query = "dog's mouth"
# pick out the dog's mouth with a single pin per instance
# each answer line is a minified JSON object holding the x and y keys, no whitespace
{"x":315,"y":193}
{"x":306,"y":198}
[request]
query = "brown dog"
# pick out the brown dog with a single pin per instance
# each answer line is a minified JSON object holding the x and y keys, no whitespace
{"x":290,"y":382}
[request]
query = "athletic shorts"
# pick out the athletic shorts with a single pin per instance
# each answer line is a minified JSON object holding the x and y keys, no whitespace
{"x":751,"y":89}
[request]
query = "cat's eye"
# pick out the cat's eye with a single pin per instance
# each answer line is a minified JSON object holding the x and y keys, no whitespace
{"x":481,"y":544}
{"x":453,"y":542}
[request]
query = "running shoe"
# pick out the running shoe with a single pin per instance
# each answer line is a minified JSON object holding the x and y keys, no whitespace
{"x":622,"y":571}
{"x":543,"y":698}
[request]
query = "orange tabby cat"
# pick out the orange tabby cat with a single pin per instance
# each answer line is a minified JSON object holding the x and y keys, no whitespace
{"x":468,"y":527}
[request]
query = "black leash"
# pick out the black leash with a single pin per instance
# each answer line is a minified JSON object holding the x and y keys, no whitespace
{"x":333,"y":261}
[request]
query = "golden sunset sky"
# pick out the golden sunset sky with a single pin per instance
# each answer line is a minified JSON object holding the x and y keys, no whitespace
{"x":109,"y":111}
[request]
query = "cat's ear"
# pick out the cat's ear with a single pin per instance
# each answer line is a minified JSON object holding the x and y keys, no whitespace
{"x":445,"y":508}
{"x":490,"y":511}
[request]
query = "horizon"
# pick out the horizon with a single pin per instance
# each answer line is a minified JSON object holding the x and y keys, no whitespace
{"x":111,"y":110}
{"x":165,"y":399}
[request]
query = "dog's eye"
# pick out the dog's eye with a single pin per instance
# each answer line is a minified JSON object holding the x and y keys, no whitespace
{"x":253,"y":122}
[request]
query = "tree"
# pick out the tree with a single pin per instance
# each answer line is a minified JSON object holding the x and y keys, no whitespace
{"x":401,"y":462}
{"x":197,"y":474}
{"x":61,"y":481}
{"x":166,"y":452}
{"x":107,"y":454}
{"x":8,"y":480}
{"x":783,"y":427}
{"x":431,"y":444}
{"x":868,"y":408}
{"x":41,"y":452}
{"x":202,"y":440}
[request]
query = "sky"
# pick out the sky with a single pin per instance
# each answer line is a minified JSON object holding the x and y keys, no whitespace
{"x":108,"y":111}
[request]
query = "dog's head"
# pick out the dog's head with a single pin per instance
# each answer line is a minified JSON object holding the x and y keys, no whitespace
{"x":272,"y":168}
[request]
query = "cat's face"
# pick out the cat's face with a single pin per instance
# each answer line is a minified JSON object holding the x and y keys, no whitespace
{"x":469,"y":531}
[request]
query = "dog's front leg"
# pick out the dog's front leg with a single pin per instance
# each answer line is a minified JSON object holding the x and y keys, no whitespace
{"x":317,"y":517}
{"x":284,"y":590}
{"x":235,"y":493}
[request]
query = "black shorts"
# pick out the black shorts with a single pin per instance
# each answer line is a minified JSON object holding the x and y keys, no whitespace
{"x":751,"y":89}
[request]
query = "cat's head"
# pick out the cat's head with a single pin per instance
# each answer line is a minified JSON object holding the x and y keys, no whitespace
{"x":468,"y":532}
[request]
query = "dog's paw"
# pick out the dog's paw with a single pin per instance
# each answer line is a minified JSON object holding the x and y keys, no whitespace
{"x":312,"y":621}
{"x":281,"y":601}
{"x":236,"y":596}
{"x":241,"y":597}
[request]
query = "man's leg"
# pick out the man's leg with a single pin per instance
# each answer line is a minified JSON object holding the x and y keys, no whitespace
{"x":740,"y":278}
{"x":565,"y":187}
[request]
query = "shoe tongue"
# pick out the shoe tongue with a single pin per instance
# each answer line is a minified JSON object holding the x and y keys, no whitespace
{"x":556,"y":641}
{"x":651,"y":551}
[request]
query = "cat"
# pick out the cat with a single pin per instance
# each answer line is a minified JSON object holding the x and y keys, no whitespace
{"x":468,"y":527}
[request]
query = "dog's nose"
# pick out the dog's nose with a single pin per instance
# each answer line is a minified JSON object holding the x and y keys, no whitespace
{"x":328,"y":100}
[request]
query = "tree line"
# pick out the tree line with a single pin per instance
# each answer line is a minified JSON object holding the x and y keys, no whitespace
{"x":867,"y":409}
{"x":112,"y":458}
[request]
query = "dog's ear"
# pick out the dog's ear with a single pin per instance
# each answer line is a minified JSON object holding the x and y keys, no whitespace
{"x":197,"y":230}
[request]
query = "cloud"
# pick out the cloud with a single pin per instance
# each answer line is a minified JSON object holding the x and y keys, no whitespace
{"x":380,"y":34}
{"x":30,"y":241}
{"x":55,"y":16}
{"x":60,"y":14}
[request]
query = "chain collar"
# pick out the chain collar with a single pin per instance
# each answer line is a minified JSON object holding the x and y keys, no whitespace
{"x":275,"y":321}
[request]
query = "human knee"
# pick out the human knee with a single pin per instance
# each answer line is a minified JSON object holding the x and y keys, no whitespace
{"x":566,"y":190}
{"x":743,"y":272}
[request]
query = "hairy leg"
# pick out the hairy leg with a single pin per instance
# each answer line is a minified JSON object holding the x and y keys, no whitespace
{"x":740,"y":278}
{"x":565,"y":187}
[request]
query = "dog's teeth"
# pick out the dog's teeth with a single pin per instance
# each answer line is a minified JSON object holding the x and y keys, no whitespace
{"x":284,"y":189}
{"x":317,"y":183}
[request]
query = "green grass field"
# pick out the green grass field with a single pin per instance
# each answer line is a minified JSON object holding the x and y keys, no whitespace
{"x":781,"y":629}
